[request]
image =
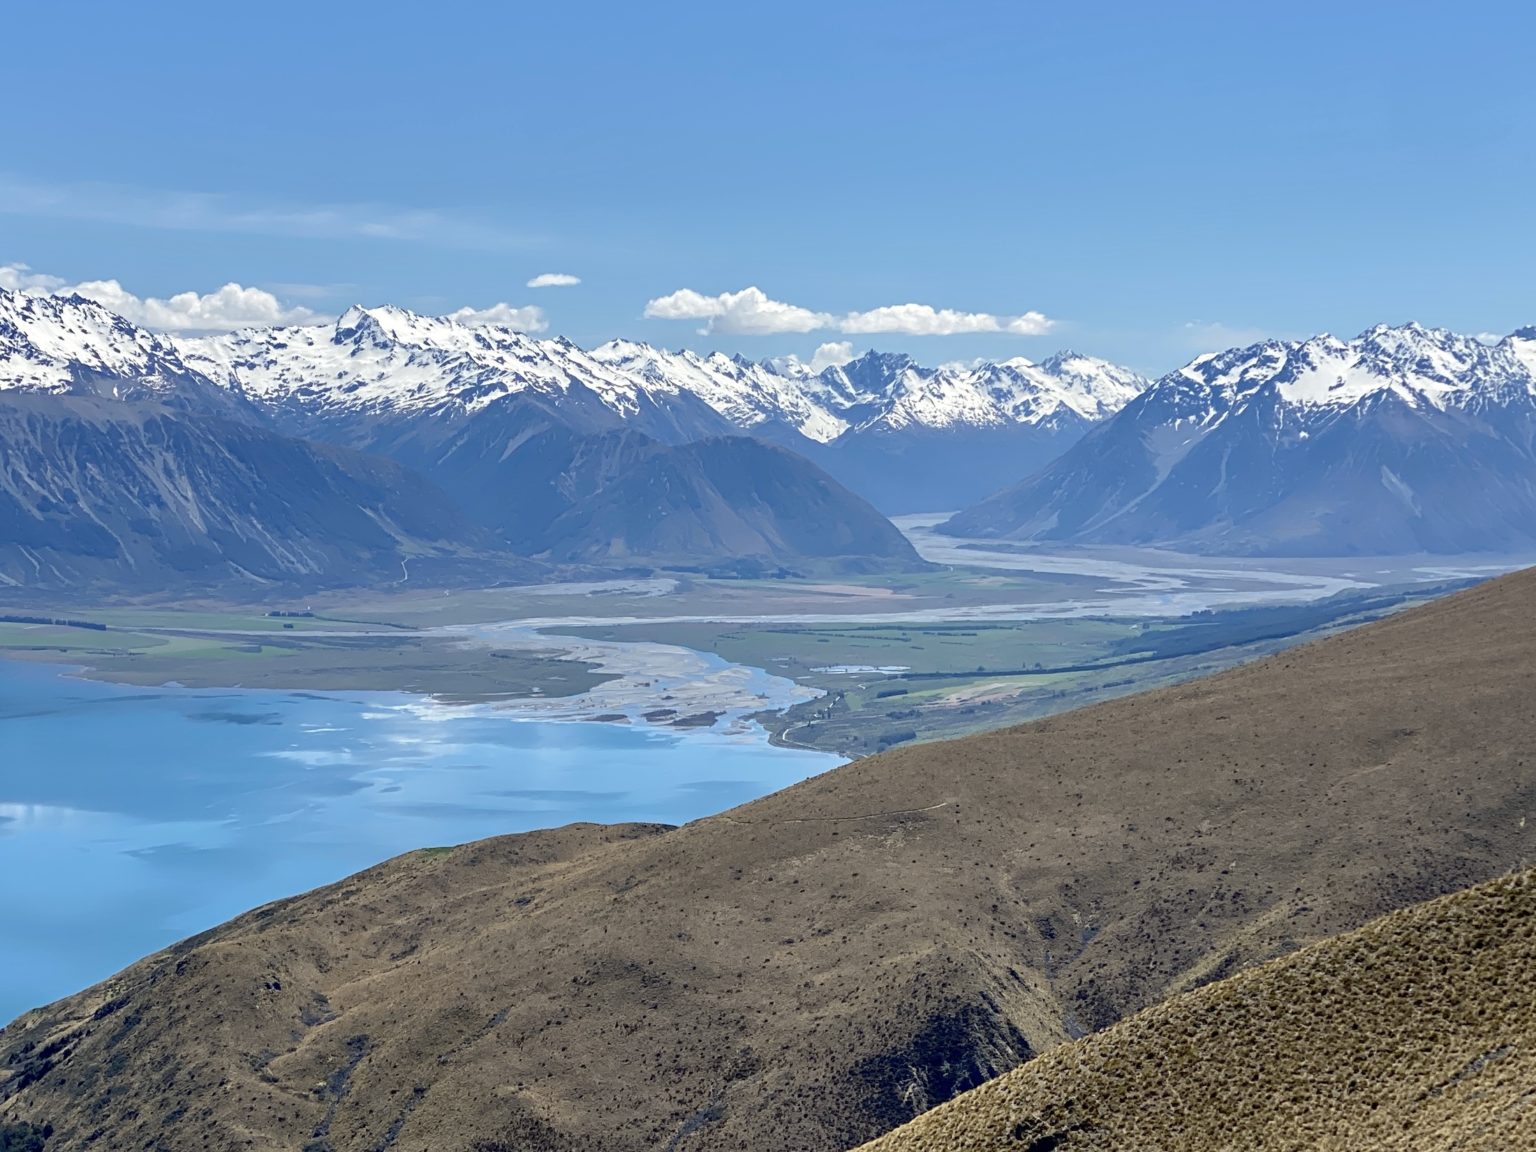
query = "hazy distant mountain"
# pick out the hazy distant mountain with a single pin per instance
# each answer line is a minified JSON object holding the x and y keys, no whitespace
{"x":140,"y":495}
{"x":121,"y":466}
{"x":124,"y":456}
{"x":905,"y":437}
{"x":717,"y":503}
{"x":925,"y":440}
{"x":1402,"y":440}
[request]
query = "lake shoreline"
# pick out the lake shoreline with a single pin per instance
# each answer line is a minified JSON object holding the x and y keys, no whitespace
{"x":164,"y":810}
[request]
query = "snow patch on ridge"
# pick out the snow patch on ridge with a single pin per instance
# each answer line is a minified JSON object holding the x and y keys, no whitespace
{"x":388,"y":360}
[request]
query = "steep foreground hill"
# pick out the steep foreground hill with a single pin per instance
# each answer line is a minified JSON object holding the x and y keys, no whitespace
{"x":817,"y":967}
{"x":1415,"y":1032}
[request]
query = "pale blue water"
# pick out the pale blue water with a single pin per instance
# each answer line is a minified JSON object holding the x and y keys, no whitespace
{"x":132,"y":817}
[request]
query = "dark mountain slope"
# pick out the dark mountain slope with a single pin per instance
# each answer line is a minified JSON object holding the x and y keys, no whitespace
{"x":905,"y":437}
{"x":726,"y":499}
{"x":1403,"y":440}
{"x":814,"y":968}
{"x":575,"y":483}
{"x":906,"y":470}
{"x":538,"y":442}
{"x":141,"y":496}
{"x":931,"y":440}
{"x":1417,"y":1032}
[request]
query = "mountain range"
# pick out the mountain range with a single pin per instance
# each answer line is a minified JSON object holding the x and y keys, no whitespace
{"x":820,"y":966}
{"x":506,"y":447}
{"x":905,"y":437}
{"x":105,"y":494}
{"x":1405,"y":439}
{"x":128,"y":464}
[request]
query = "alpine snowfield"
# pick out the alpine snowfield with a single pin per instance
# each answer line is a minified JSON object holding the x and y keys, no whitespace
{"x":391,"y":359}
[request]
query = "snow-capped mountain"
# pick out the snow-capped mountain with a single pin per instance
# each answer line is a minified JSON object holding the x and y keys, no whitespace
{"x":389,"y":359}
{"x":130,"y":460}
{"x":69,"y":345}
{"x":893,"y":393}
{"x":871,"y":422}
{"x":1522,"y":344}
{"x":121,"y":466}
{"x":389,"y":364}
{"x":763,"y":399}
{"x":931,"y":439}
{"x":124,"y":495}
{"x":1403,"y":439}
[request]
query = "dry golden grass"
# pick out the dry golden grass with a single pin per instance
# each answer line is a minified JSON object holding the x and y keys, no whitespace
{"x":1417,"y":1032}
{"x":813,"y":969}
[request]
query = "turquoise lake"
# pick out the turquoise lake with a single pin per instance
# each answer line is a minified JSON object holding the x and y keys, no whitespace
{"x":132,"y":817}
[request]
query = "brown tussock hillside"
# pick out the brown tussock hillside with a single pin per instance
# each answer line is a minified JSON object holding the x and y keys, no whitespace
{"x":815,"y":968}
{"x":1415,"y":1032}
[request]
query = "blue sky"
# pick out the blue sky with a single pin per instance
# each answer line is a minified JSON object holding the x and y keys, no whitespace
{"x":1138,"y":181}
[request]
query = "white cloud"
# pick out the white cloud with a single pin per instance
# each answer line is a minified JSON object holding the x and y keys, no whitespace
{"x":925,"y":320}
{"x":1029,"y":324}
{"x":831,"y":355}
{"x":526,"y":319}
{"x":751,"y":311}
{"x":21,"y":278}
{"x":554,"y":280}
{"x":232,"y":306}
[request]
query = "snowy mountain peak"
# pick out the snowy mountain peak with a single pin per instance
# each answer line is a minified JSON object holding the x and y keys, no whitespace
{"x":1521,"y":344}
{"x":354,"y":317}
{"x":877,"y":369}
{"x":386,"y":359}
{"x":71,"y":344}
{"x":1410,"y":363}
{"x":1403,"y":439}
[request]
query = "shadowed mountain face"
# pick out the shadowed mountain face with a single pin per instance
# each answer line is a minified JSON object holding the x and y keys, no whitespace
{"x":101,"y":493}
{"x":1417,"y":1032}
{"x":904,"y":437}
{"x":933,"y":439}
{"x":725,"y":497}
{"x":1402,"y":440}
{"x":574,"y":483}
{"x":814,"y":968}
{"x":128,"y":467}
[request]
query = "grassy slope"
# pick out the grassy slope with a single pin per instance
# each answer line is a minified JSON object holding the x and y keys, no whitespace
{"x":965,"y":677}
{"x":1415,"y":1032}
{"x":814,"y":968}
